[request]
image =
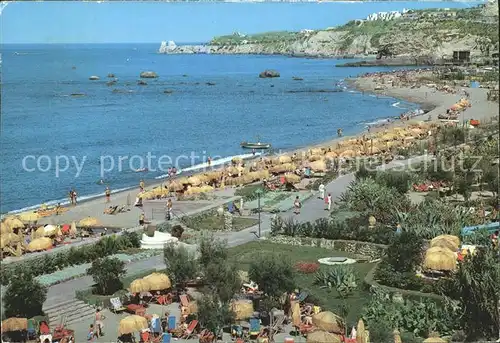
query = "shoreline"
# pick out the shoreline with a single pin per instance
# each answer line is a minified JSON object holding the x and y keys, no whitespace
{"x":432,"y":100}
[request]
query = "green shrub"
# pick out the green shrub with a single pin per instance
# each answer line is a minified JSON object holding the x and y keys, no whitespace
{"x":74,"y":256}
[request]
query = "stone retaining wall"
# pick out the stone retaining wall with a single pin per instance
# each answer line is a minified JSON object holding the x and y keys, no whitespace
{"x":367,"y":249}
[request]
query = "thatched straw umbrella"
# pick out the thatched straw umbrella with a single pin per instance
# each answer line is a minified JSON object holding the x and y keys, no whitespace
{"x":292,"y":178}
{"x":282,"y":168}
{"x":89,"y":221}
{"x":313,"y":158}
{"x":318,"y":166}
{"x":158,"y":281}
{"x":236,"y":160}
{"x":4,"y":228}
{"x":328,"y":321}
{"x":138,"y":286}
{"x":14,"y":324}
{"x":194,"y":181}
{"x":397,"y":336}
{"x":131,"y":324}
{"x":243,"y":309}
{"x":29,"y":217}
{"x":39,"y":244}
{"x":14,"y":223}
{"x":434,"y":338}
{"x":331,"y":154}
{"x":361,"y":332}
{"x":348,"y":153}
{"x":446,"y":241}
{"x":322,"y":337}
{"x":175,"y":186}
{"x":284,"y":159}
{"x":437,"y":258}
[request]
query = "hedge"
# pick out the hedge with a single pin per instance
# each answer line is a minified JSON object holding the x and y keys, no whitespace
{"x":50,"y":263}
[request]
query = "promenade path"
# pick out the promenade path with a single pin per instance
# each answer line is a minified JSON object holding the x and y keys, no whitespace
{"x":312,"y":209}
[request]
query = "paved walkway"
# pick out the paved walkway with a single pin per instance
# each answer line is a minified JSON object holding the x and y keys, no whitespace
{"x":311,"y":210}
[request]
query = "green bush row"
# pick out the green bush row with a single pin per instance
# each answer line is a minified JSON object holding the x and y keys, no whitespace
{"x":50,"y":263}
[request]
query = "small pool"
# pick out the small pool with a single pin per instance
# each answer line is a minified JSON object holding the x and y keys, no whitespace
{"x":331,"y":261}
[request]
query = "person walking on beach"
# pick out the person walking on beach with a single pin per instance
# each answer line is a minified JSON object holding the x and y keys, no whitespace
{"x":297,"y":205}
{"x":99,"y":325}
{"x":209,"y":161}
{"x":142,"y":219}
{"x":168,"y":209}
{"x":108,"y":194}
{"x":321,"y":190}
{"x":339,"y":132}
{"x":74,"y":195}
{"x":141,"y":185}
{"x":71,"y":200}
{"x":328,"y":201}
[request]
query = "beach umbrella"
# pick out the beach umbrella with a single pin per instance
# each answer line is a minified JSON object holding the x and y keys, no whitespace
{"x":243,"y":309}
{"x":4,"y":240}
{"x":29,"y":217}
{"x":438,"y":258}
{"x":446,"y":241}
{"x":131,"y":324}
{"x":39,"y":244}
{"x":322,"y":337}
{"x":158,"y":281}
{"x":4,"y":228}
{"x":328,"y":321}
{"x":434,"y":338}
{"x":194,"y":181}
{"x":14,"y":223}
{"x":284,"y":159}
{"x":138,"y":286}
{"x":175,"y":186}
{"x":14,"y":324}
{"x":348,"y":153}
{"x":89,"y":221}
{"x":361,"y":336}
{"x":331,"y":154}
{"x":318,"y":166}
{"x":292,"y":178}
{"x":236,"y":160}
{"x":50,"y":230}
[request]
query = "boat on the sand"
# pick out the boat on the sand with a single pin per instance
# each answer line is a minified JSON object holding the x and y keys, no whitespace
{"x":257,"y":145}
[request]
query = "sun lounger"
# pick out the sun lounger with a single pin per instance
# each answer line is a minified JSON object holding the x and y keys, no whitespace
{"x":136,"y":309}
{"x":116,"y":305}
{"x":278,"y":323}
{"x":183,"y":298}
{"x":206,"y":336}
{"x":171,"y":323}
{"x":190,"y":330}
{"x":166,"y":338}
{"x":254,"y":327}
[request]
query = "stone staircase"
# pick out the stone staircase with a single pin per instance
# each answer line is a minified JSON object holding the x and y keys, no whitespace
{"x":71,"y":311}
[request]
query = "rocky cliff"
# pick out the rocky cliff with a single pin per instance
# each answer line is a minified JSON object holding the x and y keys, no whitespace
{"x":424,"y":33}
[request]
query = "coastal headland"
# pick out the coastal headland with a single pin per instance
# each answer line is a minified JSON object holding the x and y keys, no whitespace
{"x":420,"y":37}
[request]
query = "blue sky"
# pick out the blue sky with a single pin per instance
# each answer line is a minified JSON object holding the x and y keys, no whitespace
{"x":152,"y":22}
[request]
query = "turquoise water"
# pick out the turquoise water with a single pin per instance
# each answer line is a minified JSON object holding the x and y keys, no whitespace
{"x":214,"y":103}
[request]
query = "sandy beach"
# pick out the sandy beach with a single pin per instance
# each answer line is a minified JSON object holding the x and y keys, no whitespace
{"x":378,"y":84}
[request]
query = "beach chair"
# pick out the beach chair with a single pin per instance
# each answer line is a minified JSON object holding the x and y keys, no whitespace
{"x":236,"y":331}
{"x":254,"y":327}
{"x":184,"y":300}
{"x":166,"y":338}
{"x":171,"y":323}
{"x":278,"y":322}
{"x":116,"y":305}
{"x":189,"y":333}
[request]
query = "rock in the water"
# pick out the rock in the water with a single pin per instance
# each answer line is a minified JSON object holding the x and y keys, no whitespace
{"x":111,"y":83}
{"x":296,"y":78}
{"x":94,"y":78}
{"x":210,"y":83}
{"x":168,"y":91}
{"x":111,"y":75}
{"x":148,"y":75}
{"x":141,"y":83}
{"x":269,"y":73}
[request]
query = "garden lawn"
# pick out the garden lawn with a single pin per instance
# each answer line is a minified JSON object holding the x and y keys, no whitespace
{"x":213,"y":222}
{"x":243,"y":255}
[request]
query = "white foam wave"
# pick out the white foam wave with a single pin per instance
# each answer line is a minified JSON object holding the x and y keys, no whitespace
{"x":377,"y":122}
{"x":215,"y":163}
{"x":65,"y":201}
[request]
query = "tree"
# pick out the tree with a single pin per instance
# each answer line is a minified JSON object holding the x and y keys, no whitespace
{"x":475,"y":286}
{"x":211,"y":249}
{"x":106,"y":273}
{"x":273,"y":273}
{"x":405,"y":252}
{"x":181,"y":264}
{"x":214,"y":314}
{"x":24,"y":297}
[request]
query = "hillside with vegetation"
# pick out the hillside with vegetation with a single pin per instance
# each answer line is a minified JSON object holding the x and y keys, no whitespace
{"x":434,"y":33}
